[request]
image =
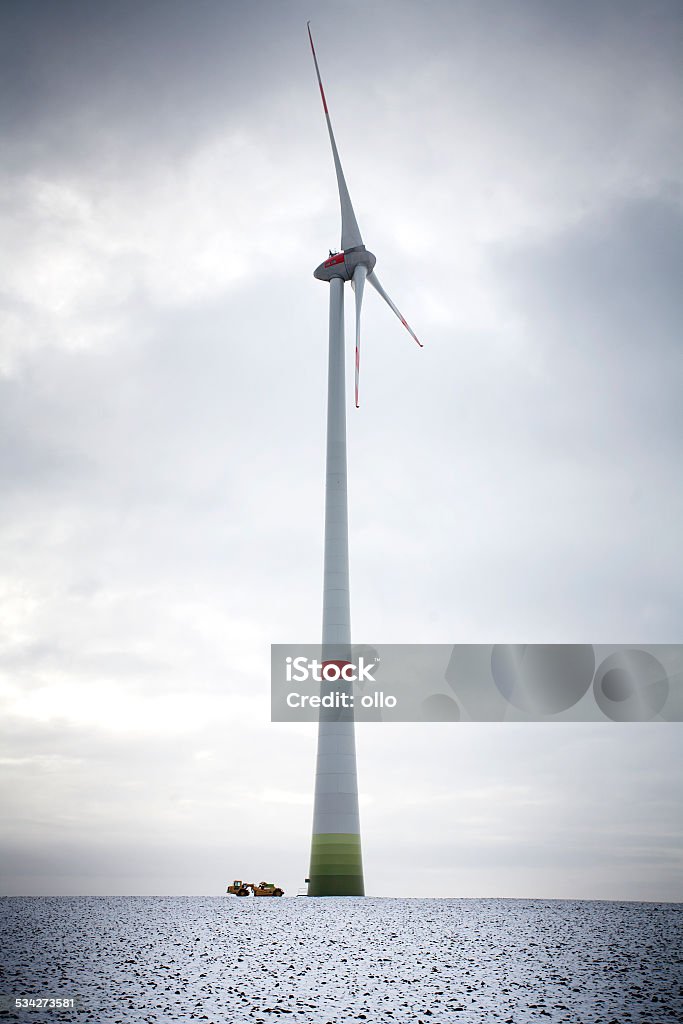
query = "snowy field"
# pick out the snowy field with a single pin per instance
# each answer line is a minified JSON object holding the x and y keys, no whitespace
{"x":230,"y":960}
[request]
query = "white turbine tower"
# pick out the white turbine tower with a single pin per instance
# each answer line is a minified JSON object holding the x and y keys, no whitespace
{"x":336,"y":867}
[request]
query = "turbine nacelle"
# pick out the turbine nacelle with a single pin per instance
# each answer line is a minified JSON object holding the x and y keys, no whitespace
{"x":343,"y":264}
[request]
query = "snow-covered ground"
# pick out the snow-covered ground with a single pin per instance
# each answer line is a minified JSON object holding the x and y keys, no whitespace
{"x":312,"y":961}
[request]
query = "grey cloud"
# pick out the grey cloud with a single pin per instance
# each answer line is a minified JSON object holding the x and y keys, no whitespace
{"x":610,"y":281}
{"x":82,"y":81}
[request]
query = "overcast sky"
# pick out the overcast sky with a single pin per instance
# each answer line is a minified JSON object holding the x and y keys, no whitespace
{"x":167,"y":190}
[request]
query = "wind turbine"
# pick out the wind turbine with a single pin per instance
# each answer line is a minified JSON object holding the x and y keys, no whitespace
{"x":336,"y":866}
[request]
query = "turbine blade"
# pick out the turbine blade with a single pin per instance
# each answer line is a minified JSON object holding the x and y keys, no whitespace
{"x":374,"y":281}
{"x":350,"y":234}
{"x":358,"y":283}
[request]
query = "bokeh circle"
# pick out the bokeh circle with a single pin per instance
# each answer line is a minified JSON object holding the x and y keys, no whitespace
{"x":543,"y":679}
{"x":631,"y":686}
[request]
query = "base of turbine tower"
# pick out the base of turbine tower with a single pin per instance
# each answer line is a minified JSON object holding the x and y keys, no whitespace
{"x":336,"y":865}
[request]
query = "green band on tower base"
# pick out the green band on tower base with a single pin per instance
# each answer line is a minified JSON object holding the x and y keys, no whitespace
{"x":336,"y":865}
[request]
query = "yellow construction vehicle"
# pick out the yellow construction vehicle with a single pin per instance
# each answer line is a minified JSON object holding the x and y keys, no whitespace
{"x":240,"y":888}
{"x":267,"y":889}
